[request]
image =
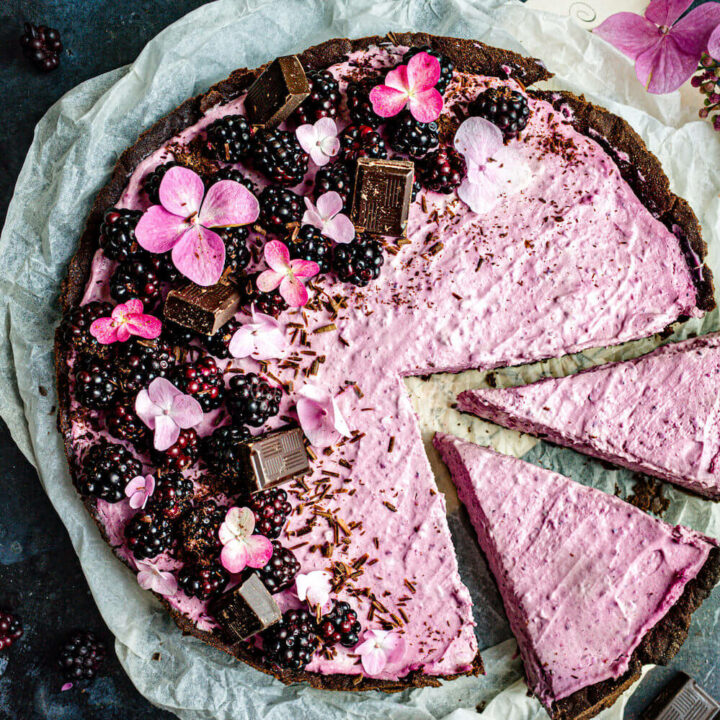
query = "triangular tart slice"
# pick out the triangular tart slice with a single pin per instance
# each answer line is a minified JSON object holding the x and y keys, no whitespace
{"x":659,"y":414}
{"x":593,"y":587}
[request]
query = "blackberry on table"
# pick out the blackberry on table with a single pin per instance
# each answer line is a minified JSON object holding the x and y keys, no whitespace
{"x":277,"y":155}
{"x":311,"y":244}
{"x":271,"y":509}
{"x":139,"y":277}
{"x":122,"y":422}
{"x":291,"y":642}
{"x":442,"y":170}
{"x":198,"y":531}
{"x":413,"y":138}
{"x":11,"y":629}
{"x":340,"y":625}
{"x":334,"y":177}
{"x":271,"y":303}
{"x":96,"y":382}
{"x":219,"y":343}
{"x":202,"y":581}
{"x":229,"y":138}
{"x":106,"y":469}
{"x":173,"y":495}
{"x":446,"y":65}
{"x":202,"y":379}
{"x":323,"y":101}
{"x":359,"y":105}
{"x":149,"y":535}
{"x":151,"y":182}
{"x":280,"y":571}
{"x":117,"y":233}
{"x":506,"y":108}
{"x":231,"y":173}
{"x":358,"y":262}
{"x":237,"y":253}
{"x":278,"y":207}
{"x":76,"y":328}
{"x":81,"y":656}
{"x":140,"y":361}
{"x":361,"y":141}
{"x":41,"y":45}
{"x":181,"y":455}
{"x":251,"y":400}
{"x":221,"y":449}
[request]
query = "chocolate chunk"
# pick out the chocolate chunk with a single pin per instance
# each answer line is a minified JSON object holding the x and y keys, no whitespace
{"x":203,"y":309}
{"x":682,"y":698}
{"x":246,"y":609}
{"x":277,"y":92}
{"x":381,"y":198}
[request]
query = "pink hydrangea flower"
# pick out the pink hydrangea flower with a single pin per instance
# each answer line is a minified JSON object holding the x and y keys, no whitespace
{"x":314,"y":588}
{"x":378,"y":648}
{"x":183,"y":219}
{"x":151,"y":577}
{"x":328,"y":218}
{"x":167,"y":410}
{"x":125,"y":320}
{"x":139,"y":490}
{"x":713,"y":48}
{"x":412,"y":85}
{"x":286,"y":274}
{"x":665,"y":48}
{"x":241,"y":548}
{"x":320,"y":417}
{"x":261,"y":339}
{"x":319,"y":140}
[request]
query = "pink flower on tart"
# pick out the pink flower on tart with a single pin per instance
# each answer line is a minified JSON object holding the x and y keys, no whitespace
{"x":167,"y":410}
{"x":320,"y":417}
{"x":319,"y":140}
{"x":182,"y":222}
{"x":286,"y":274}
{"x":411,"y":85}
{"x":314,"y":588}
{"x":328,"y":218}
{"x":151,"y":577}
{"x":261,"y":339}
{"x":378,"y":648}
{"x":125,"y":320}
{"x":241,"y":548}
{"x":139,"y":490}
{"x":665,"y":48}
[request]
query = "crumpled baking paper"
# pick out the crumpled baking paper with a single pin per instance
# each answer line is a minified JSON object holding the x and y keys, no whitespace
{"x":75,"y":147}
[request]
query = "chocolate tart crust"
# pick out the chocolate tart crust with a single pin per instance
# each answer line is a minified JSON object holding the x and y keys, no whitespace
{"x":468,"y":55}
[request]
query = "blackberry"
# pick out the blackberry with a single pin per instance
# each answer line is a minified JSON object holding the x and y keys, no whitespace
{"x":122,"y":422}
{"x":278,"y":207}
{"x":81,"y":656}
{"x":41,"y":45}
{"x":506,"y":108}
{"x":237,"y":253}
{"x":140,"y":361}
{"x":280,"y":570}
{"x":96,"y":383}
{"x":413,"y":138}
{"x":359,"y":105}
{"x":181,"y":455}
{"x":340,"y":625}
{"x":277,"y":155}
{"x":271,"y":509}
{"x":176,"y":335}
{"x":358,"y":262}
{"x":149,"y":535}
{"x":271,"y":303}
{"x":198,"y":531}
{"x":446,"y":65}
{"x":151,"y":182}
{"x":442,"y":170}
{"x":117,"y":233}
{"x":358,"y":141}
{"x":219,"y":343}
{"x":311,"y":244}
{"x":323,"y":101}
{"x":291,"y":642}
{"x":251,"y":400}
{"x":106,"y":469}
{"x":229,"y":138}
{"x":221,"y":449}
{"x":335,"y":177}
{"x":138,"y":277}
{"x":11,"y":629}
{"x":172,"y":496}
{"x":76,"y":328}
{"x":231,"y":173}
{"x":416,"y":187}
{"x":202,"y":379}
{"x":202,"y":581}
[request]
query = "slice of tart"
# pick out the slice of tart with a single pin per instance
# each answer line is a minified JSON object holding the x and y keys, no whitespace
{"x":658,"y":413}
{"x":592,"y":586}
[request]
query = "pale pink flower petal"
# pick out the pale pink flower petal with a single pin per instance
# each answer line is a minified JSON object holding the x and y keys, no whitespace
{"x":329,"y":204}
{"x":397,"y":79}
{"x":200,"y":255}
{"x":631,"y":34}
{"x":259,"y":551}
{"x":277,"y":256}
{"x":234,"y":556}
{"x":242,"y":343}
{"x":480,"y":195}
{"x":319,"y":140}
{"x":144,"y":326}
{"x":320,"y":417}
{"x":162,"y":392}
{"x":158,"y":230}
{"x":293,"y":291}
{"x":423,"y":72}
{"x":138,"y":490}
{"x":387,"y":101}
{"x":378,"y":648}
{"x":186,"y":411}
{"x":714,"y":44}
{"x":340,"y":229}
{"x":693,"y":32}
{"x":307,"y":136}
{"x":666,"y":12}
{"x":239,"y":523}
{"x":241,"y":547}
{"x":312,"y":216}
{"x":268,"y":280}
{"x":104,"y":330}
{"x":664,"y":67}
{"x":181,"y":191}
{"x":304,"y":269}
{"x":228,"y":203}
{"x":426,"y":106}
{"x":373,"y":660}
{"x":150,"y":577}
{"x":314,"y":588}
{"x":477,"y":139}
{"x":66,"y":686}
{"x":167,"y":431}
{"x":164,"y":408}
{"x":262,"y":339}
{"x":145,"y":408}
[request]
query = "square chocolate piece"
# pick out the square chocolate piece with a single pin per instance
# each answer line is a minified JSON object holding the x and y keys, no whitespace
{"x":381,"y":197}
{"x":277,"y":92}
{"x":203,"y":309}
{"x":682,"y":698}
{"x":246,"y":609}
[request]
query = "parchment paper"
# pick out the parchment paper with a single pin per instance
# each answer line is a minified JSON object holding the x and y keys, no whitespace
{"x":75,"y":147}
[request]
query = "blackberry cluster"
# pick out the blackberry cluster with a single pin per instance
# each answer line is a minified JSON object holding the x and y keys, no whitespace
{"x":358,"y":262}
{"x":76,"y":328}
{"x":106,"y":469}
{"x":219,"y":343}
{"x":340,"y":625}
{"x":202,"y":379}
{"x":140,"y":276}
{"x":335,"y":177}
{"x":278,"y":207}
{"x":323,"y":101}
{"x":506,"y":108}
{"x":96,"y":382}
{"x":358,"y":141}
{"x":202,"y":581}
{"x":176,"y":335}
{"x":277,"y":155}
{"x":151,"y":182}
{"x":252,"y":400}
{"x":198,"y":530}
{"x":280,"y":570}
{"x":122,"y":422}
{"x":231,"y":173}
{"x":359,"y":105}
{"x":229,"y":138}
{"x":311,"y":244}
{"x":140,"y":361}
{"x":291,"y":642}
{"x":237,"y":253}
{"x":442,"y":170}
{"x":413,"y":138}
{"x":271,"y":509}
{"x":172,"y":496}
{"x":446,"y":65}
{"x":149,"y":535}
{"x":11,"y":630}
{"x":117,"y":233}
{"x":41,"y":45}
{"x":81,"y":657}
{"x":221,"y":449}
{"x":181,"y":455}
{"x":271,"y":303}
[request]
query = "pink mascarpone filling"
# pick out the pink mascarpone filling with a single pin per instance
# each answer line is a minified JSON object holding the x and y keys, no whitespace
{"x":583,"y":575}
